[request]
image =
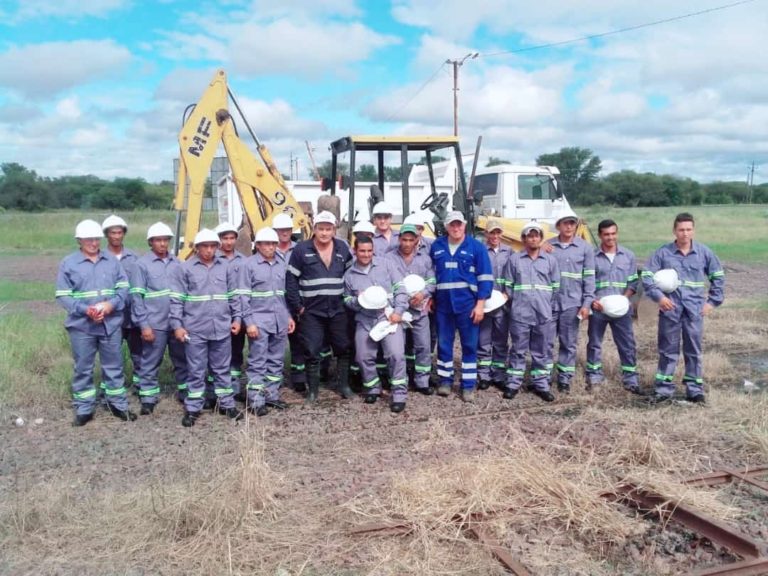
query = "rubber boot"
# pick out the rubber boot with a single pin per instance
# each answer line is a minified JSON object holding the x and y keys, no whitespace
{"x":342,"y":377}
{"x":313,"y":382}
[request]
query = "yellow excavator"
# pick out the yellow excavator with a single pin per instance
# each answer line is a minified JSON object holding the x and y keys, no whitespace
{"x":259,"y":184}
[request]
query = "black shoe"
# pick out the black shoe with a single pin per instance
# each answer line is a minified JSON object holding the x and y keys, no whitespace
{"x":260,"y":411}
{"x":189,"y":419}
{"x":147,"y":409}
{"x":240,"y":397}
{"x":483,"y":385}
{"x":209,"y":404}
{"x":124,"y":415}
{"x":697,"y":399}
{"x":231,"y":413}
{"x":397,"y":407}
{"x":277,"y":404}
{"x":371,"y":398}
{"x":500,"y":384}
{"x":545,"y":395}
{"x":563,"y":388}
{"x":635,"y":390}
{"x":658,"y":399}
{"x":509,"y":393}
{"x":82,"y":419}
{"x":426,"y":390}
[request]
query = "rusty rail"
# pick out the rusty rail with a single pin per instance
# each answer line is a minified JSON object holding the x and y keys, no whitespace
{"x":726,"y":476}
{"x":753,"y":567}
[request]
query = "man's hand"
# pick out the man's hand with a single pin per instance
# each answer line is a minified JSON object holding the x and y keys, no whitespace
{"x":547,"y":248}
{"x":252,"y":331}
{"x":235,"y":328}
{"x":583,"y":313}
{"x":416,"y":299}
{"x":394,"y":318}
{"x":147,"y":334}
{"x":596,"y":306}
{"x":478,"y":313}
{"x":665,"y":304}
{"x":707,"y":309}
{"x":291,"y":326}
{"x":181,"y":335}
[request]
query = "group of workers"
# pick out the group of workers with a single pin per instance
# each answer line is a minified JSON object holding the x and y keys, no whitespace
{"x":380,"y":306}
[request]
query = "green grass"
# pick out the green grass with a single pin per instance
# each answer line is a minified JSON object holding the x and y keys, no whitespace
{"x":25,"y":291}
{"x":735,"y":233}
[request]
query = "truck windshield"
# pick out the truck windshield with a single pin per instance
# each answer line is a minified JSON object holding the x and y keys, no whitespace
{"x":535,"y":187}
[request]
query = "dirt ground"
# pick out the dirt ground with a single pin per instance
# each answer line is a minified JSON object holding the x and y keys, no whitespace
{"x":334,"y":464}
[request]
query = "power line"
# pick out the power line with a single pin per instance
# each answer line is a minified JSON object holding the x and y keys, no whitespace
{"x":619,"y":31}
{"x":424,"y":85}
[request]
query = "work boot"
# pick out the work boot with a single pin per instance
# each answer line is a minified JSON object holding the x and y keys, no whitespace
{"x":342,"y":377}
{"x":509,"y":393}
{"x":545,"y":395}
{"x":468,"y":395}
{"x":397,"y":407}
{"x":636,"y":390}
{"x":563,"y":388}
{"x":189,"y":419}
{"x":313,"y":382}
{"x":209,"y":404}
{"x":147,"y":408}
{"x":124,"y":415}
{"x":697,"y":399}
{"x":260,"y":411}
{"x":483,"y":385}
{"x":426,"y":390}
{"x":371,"y":398}
{"x":82,"y":419}
{"x":443,"y":390}
{"x":231,"y":413}
{"x":277,"y":404}
{"x":658,"y":399}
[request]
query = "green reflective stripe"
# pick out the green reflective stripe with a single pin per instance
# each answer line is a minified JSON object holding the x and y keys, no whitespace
{"x":137,"y":290}
{"x":423,"y":368}
{"x":253,"y":386}
{"x":632,"y":277}
{"x":431,"y":280}
{"x":398,"y":382}
{"x":178,"y":295}
{"x":298,"y":366}
{"x":552,"y":286}
{"x":348,"y":298}
{"x":515,"y":372}
{"x":692,"y":284}
{"x":483,"y":362}
{"x":718,"y":274}
{"x":135,"y":379}
{"x":157,"y":293}
{"x":150,"y":392}
{"x":223,"y":391}
{"x":115,"y":392}
{"x":325,"y":353}
{"x":205,"y":297}
{"x":498,"y":364}
{"x":539,"y":372}
{"x":371,"y":383}
{"x":687,"y":378}
{"x":608,"y":284}
{"x":235,"y":373}
{"x":264,"y":294}
{"x":89,"y":294}
{"x":209,"y":378}
{"x":646,"y":274}
{"x":549,"y":366}
{"x":410,"y":357}
{"x":628,"y":368}
{"x":83,"y":395}
{"x":564,"y":368}
{"x":182,"y":386}
{"x":122,"y":284}
{"x":103,"y":385}
{"x":587,"y":272}
{"x":519,"y":287}
{"x":195,"y":395}
{"x":573,"y":275}
{"x":63,"y":293}
{"x":597,"y":366}
{"x":274,"y":378}
{"x":354,"y":368}
{"x":664,"y":377}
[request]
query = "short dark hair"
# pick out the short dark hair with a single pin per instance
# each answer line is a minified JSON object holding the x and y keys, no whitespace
{"x":607,"y":223}
{"x":363,"y":239}
{"x":683,"y":217}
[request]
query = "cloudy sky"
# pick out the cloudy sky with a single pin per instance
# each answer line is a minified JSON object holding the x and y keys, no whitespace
{"x":100,"y":86}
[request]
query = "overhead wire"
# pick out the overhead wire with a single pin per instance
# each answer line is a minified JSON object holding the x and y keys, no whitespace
{"x":421,"y":88}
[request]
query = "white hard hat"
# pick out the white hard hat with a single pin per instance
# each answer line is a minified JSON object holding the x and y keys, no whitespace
{"x":496,"y":300}
{"x":225,"y":227}
{"x":113,"y":220}
{"x":325,"y":217}
{"x":413,"y":284}
{"x":373,"y":298}
{"x":532,"y":225}
{"x":569,"y":215}
{"x":615,"y":305}
{"x":414,"y":219}
{"x":282,"y":220}
{"x":381,"y":208}
{"x":266,"y":234}
{"x":206,"y":235}
{"x":364,"y":226}
{"x":382,"y":330}
{"x":159,"y":230}
{"x":88,"y":229}
{"x":666,"y":280}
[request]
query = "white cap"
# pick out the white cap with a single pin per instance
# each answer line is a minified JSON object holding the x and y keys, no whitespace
{"x":455,"y":216}
{"x":493,"y":224}
{"x":414,"y":219}
{"x":325,"y":217}
{"x":364,"y":226}
{"x":206,"y":235}
{"x":266,"y":234}
{"x":282,"y":221}
{"x":113,"y":220}
{"x":88,"y":229}
{"x":225,"y":227}
{"x":381,"y":208}
{"x":666,"y":280}
{"x":532,"y":225}
{"x":496,"y":300}
{"x":570,"y":215}
{"x":159,"y":230}
{"x":373,"y":298}
{"x":615,"y":305}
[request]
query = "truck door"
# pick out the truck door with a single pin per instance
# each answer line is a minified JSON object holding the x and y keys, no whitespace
{"x":486,"y":188}
{"x":535,"y":193}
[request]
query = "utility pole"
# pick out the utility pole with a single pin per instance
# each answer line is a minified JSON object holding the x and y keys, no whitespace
{"x":456,"y":64}
{"x":312,"y":159}
{"x":750,"y":182}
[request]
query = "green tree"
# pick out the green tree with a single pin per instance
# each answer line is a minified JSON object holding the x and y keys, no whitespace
{"x":493,"y":161}
{"x":22,"y":189}
{"x":366,"y":173}
{"x":578,"y":167}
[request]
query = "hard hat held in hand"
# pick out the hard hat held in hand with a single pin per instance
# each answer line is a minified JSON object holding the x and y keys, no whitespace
{"x":373,"y":298}
{"x":494,"y":302}
{"x":88,"y":229}
{"x":615,"y":305}
{"x":159,"y":230}
{"x":413,"y":284}
{"x":382,"y":330}
{"x":666,"y":280}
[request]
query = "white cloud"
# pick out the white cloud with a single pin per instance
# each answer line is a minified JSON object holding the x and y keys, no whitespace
{"x":40,"y":70}
{"x":30,"y":9}
{"x":68,"y":108}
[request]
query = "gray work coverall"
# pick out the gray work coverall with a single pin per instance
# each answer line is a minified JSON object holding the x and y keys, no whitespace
{"x":492,"y":347}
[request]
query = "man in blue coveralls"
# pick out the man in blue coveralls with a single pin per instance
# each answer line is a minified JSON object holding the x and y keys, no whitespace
{"x":682,"y":311}
{"x":464,"y":282}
